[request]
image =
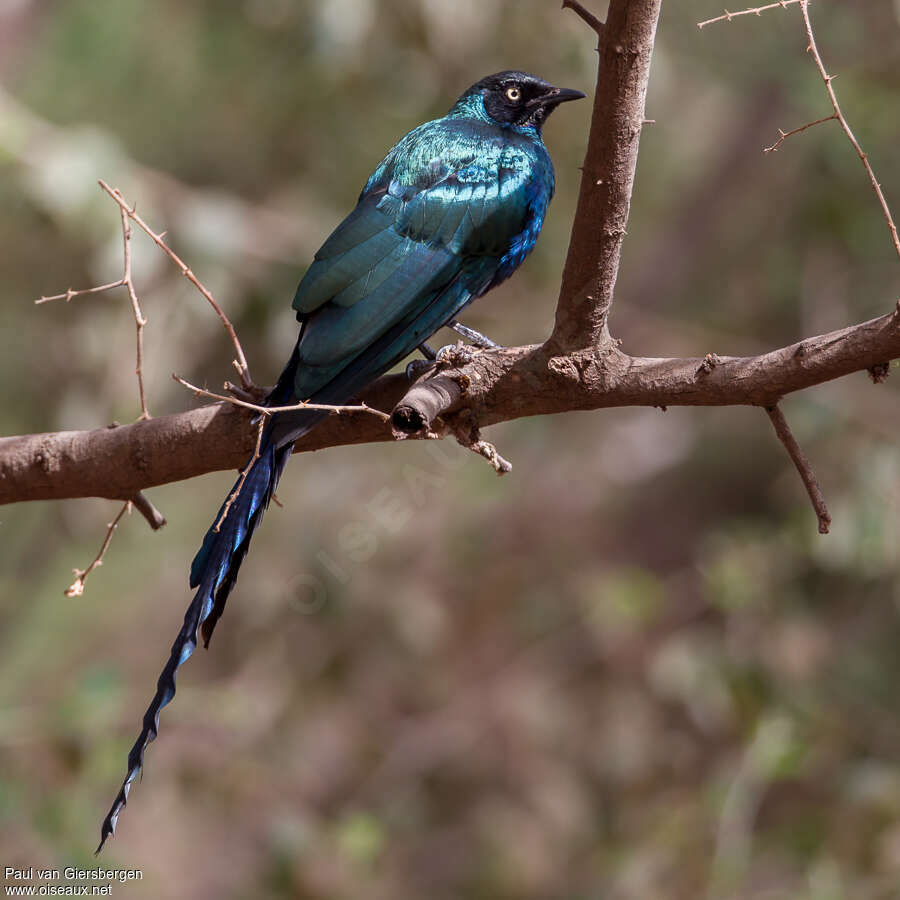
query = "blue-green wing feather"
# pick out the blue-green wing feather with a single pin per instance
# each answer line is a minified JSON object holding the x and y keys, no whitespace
{"x":433,"y":229}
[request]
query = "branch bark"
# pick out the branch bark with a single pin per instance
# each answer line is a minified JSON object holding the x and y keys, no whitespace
{"x":496,"y":386}
{"x":589,"y":278}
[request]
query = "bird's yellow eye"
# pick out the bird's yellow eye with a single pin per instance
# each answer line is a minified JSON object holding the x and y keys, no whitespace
{"x":513,"y":94}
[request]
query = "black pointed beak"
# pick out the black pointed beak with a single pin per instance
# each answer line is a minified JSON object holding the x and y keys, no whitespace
{"x":560,"y":95}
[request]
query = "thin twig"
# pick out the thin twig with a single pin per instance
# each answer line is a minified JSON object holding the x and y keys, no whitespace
{"x":784,"y":135}
{"x":155,"y":519}
{"x":139,"y":319}
{"x":241,"y":361}
{"x":812,"y":48}
{"x":728,"y":16}
{"x":584,"y":14}
{"x":69,"y":294}
{"x":244,"y":472}
{"x":786,"y":436}
{"x":835,"y":106}
{"x":76,"y":589}
{"x":269,"y":410}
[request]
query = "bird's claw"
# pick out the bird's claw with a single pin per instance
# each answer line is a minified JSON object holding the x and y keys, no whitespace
{"x":458,"y":354}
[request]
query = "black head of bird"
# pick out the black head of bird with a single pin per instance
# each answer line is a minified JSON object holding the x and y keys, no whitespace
{"x":514,"y":99}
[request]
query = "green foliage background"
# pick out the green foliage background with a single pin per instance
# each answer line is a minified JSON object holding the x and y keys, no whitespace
{"x":632,"y":668}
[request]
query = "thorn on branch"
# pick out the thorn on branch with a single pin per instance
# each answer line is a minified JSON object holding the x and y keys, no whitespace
{"x":69,"y":294}
{"x":755,"y":11}
{"x":585,"y":15}
{"x":784,"y":135}
{"x":800,"y":460}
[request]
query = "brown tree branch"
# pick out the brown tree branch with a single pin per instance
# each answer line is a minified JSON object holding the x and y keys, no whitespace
{"x":496,"y":386}
{"x":592,"y":264}
{"x":117,"y":461}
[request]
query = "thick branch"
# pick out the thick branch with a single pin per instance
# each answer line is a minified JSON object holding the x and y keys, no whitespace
{"x":117,"y":462}
{"x":524,"y":381}
{"x":592,"y":264}
{"x":496,"y":386}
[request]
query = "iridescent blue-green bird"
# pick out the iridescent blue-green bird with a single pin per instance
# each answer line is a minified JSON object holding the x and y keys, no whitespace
{"x":451,"y":211}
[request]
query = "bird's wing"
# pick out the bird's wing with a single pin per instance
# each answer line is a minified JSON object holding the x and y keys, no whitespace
{"x":432,"y":222}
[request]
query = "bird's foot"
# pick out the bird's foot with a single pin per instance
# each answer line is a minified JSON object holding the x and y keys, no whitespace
{"x":458,"y":354}
{"x":418,"y":367}
{"x":476,"y":337}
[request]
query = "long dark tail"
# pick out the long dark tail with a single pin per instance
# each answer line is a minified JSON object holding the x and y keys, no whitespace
{"x":214,"y":573}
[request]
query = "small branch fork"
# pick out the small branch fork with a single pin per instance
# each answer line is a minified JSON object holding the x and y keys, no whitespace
{"x":782,"y":429}
{"x":241,"y":362}
{"x":836,"y":113}
{"x":139,"y":320}
{"x":812,"y":48}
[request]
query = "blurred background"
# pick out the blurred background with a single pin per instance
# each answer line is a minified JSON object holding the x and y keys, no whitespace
{"x":630,"y":669}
